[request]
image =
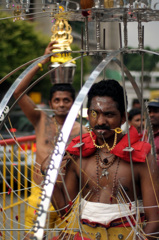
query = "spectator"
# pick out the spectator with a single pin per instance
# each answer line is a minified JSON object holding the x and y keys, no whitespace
{"x":134,"y":119}
{"x":136,"y":103}
{"x":46,"y":129}
{"x":153,"y":107}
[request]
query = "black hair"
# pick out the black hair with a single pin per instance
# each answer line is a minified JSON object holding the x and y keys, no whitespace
{"x":110,"y":88}
{"x":133,"y":112}
{"x":135,"y":101}
{"x":62,"y":87}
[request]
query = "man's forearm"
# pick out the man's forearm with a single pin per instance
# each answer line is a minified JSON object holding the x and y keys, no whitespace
{"x":58,"y":199}
{"x":26,"y":81}
{"x":150,"y":229}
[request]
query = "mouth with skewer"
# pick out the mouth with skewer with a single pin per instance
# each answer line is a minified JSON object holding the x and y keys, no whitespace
{"x":103,"y":128}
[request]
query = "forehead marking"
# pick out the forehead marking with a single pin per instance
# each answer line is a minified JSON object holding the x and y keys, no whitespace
{"x":100,"y":99}
{"x":101,"y":103}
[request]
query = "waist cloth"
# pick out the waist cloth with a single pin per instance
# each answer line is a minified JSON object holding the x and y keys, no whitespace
{"x":101,"y":221}
{"x":109,"y":215}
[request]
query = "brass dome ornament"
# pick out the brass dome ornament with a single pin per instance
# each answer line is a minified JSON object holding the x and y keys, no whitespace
{"x":61,"y":32}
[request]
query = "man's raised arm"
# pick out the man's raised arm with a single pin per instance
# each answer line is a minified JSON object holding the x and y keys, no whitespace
{"x":26,"y":104}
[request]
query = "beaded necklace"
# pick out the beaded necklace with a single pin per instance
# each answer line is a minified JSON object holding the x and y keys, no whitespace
{"x":105,"y":165}
{"x":106,"y":173}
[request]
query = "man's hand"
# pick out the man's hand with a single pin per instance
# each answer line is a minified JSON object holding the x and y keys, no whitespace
{"x":48,"y":50}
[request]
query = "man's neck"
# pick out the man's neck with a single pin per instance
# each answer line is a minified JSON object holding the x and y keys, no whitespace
{"x":111,"y":141}
{"x":60,"y":120}
{"x":155,"y":129}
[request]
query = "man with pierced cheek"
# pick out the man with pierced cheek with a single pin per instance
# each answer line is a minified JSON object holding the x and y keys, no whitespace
{"x":118,"y":176}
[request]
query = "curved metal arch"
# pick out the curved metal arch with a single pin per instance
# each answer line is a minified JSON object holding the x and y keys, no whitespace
{"x":56,"y":157}
{"x":33,"y":60}
{"x":12,"y":88}
{"x":59,"y":150}
{"x":15,"y":70}
{"x":144,"y":50}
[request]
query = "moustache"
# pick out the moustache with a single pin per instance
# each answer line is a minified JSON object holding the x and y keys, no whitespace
{"x":102,"y":127}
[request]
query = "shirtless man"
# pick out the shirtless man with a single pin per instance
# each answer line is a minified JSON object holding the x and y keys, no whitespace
{"x":109,"y":198}
{"x":153,"y":107}
{"x":46,"y":128}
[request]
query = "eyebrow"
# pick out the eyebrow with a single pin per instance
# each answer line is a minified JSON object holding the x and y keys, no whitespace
{"x":107,"y":112}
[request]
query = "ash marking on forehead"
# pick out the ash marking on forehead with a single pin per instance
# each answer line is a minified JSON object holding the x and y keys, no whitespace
{"x":98,"y":104}
{"x":103,"y":102}
{"x":101,"y":99}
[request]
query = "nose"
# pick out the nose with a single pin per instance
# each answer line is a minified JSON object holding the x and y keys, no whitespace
{"x":61,"y":104}
{"x":101,"y":119}
{"x":151,"y":113}
{"x":139,"y":123}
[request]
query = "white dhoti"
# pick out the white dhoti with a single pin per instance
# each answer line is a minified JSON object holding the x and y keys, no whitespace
{"x":100,"y":221}
{"x":106,"y":213}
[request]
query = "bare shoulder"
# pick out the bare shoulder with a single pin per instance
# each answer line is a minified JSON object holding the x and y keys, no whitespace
{"x":149,"y":167}
{"x":76,"y":127}
{"x":75,"y":159}
{"x":44,"y":119}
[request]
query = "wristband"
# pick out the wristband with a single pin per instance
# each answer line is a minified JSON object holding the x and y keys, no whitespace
{"x":40,"y":66}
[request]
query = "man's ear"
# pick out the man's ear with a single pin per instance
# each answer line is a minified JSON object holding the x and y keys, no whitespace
{"x":123,"y":120}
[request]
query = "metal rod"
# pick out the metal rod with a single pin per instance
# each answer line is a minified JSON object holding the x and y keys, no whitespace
{"x":120,"y":35}
{"x":142,"y":37}
{"x":125,"y":32}
{"x":86,"y":34}
{"x":127,"y":128}
{"x":139,"y":33}
{"x":81,"y":111}
{"x":45,"y":229}
{"x":104,"y":39}
{"x":98,"y":32}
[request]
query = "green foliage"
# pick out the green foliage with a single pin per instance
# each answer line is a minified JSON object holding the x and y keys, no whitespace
{"x":20,"y":43}
{"x":134,"y":61}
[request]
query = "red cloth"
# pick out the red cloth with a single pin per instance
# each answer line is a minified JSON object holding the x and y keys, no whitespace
{"x":87,"y":149}
{"x":141,"y":149}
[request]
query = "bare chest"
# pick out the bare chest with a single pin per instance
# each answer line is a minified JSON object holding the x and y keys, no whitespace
{"x":46,"y":135}
{"x":107,"y":183}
